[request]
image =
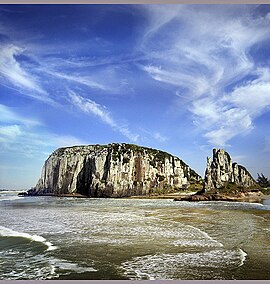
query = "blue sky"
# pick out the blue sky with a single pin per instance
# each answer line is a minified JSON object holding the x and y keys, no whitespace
{"x":181,"y":78}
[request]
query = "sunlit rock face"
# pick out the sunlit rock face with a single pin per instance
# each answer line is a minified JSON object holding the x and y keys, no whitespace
{"x":221,"y":171}
{"x":114,"y":170}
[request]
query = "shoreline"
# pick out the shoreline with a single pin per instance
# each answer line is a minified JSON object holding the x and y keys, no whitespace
{"x":74,"y":195}
{"x":251,"y":197}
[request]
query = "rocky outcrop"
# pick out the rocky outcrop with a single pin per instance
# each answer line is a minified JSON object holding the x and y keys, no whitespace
{"x":222,"y":173}
{"x":250,"y":196}
{"x":114,"y":170}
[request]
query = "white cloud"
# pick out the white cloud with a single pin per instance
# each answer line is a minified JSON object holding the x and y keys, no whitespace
{"x":12,"y":71}
{"x":25,"y":144}
{"x":203,"y":51}
{"x":253,"y":96}
{"x":221,"y":122}
{"x":196,"y":85}
{"x":239,"y":158}
{"x":84,"y":80}
{"x":149,"y":137}
{"x":26,"y":137}
{"x":267,"y":144}
{"x":67,"y":140}
{"x":158,"y":16}
{"x":235,"y":112}
{"x":9,"y":132}
{"x":90,"y":107}
{"x":225,"y":124}
{"x":10,"y":116}
{"x":207,"y":109}
{"x":159,"y":137}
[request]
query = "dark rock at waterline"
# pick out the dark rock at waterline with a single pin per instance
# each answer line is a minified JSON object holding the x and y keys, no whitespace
{"x":251,"y":196}
{"x":204,"y":197}
{"x":23,"y":194}
{"x":33,"y":193}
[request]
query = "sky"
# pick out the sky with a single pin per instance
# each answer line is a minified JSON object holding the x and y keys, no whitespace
{"x":180,"y":78}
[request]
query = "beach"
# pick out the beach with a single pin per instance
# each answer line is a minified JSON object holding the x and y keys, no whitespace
{"x":49,"y":237}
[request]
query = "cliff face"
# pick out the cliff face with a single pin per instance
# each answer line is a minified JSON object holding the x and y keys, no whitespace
{"x":221,"y":171}
{"x":114,"y":170}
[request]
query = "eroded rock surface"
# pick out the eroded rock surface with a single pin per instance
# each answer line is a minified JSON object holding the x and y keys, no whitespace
{"x":221,"y":172}
{"x":114,"y":170}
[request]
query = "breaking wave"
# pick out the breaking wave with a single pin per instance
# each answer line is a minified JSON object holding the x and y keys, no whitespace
{"x":6,"y":232}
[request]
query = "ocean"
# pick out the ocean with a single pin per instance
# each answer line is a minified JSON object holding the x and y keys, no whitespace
{"x":77,"y":238}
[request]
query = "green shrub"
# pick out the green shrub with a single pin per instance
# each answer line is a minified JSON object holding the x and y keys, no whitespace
{"x":125,"y":160}
{"x":263,"y":181}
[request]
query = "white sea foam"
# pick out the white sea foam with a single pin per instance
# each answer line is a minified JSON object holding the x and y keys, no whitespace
{"x":190,"y":236}
{"x":6,"y":232}
{"x":41,"y":267}
{"x":169,"y":266}
{"x":242,"y":257}
{"x":22,"y":264}
{"x":9,"y":197}
{"x":32,"y":267}
{"x":207,"y":237}
{"x":234,"y":204}
{"x":196,"y":237}
{"x":127,"y":228}
{"x":69,"y":266}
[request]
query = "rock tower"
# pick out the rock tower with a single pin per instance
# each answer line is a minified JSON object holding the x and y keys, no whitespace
{"x":221,"y":171}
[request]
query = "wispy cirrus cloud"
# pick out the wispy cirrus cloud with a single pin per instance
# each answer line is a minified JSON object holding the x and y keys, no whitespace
{"x":9,"y":115}
{"x":206,"y":55}
{"x":79,"y":79}
{"x":91,"y":107}
{"x":150,"y":136}
{"x":9,"y":132}
{"x":28,"y":82}
{"x":235,"y":112}
{"x":159,"y":137}
{"x":254,"y":95}
{"x":196,"y":85}
{"x":267,"y":144}
{"x":22,"y":136}
{"x":110,"y":79}
{"x":16,"y":75}
{"x":25,"y":143}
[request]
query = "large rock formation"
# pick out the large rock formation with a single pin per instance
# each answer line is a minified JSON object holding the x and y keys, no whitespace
{"x":221,"y":172}
{"x":114,"y":170}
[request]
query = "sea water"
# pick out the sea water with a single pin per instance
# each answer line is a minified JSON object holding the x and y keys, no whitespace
{"x":69,"y":238}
